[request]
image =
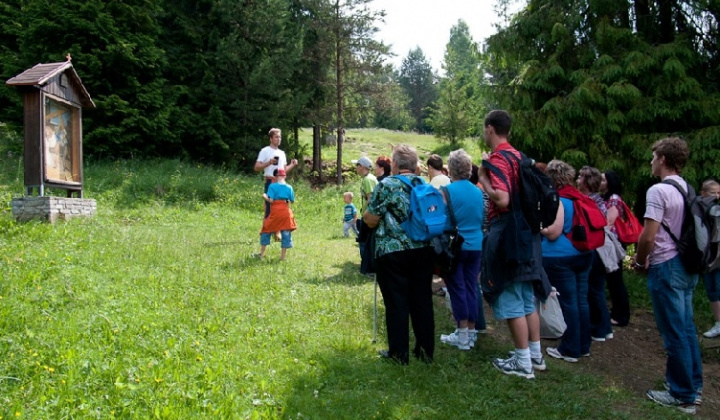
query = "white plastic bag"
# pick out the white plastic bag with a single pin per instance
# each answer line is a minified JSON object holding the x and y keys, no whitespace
{"x":552,"y":322}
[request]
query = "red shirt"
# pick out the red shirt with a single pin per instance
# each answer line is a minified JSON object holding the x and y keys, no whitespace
{"x":496,"y":159}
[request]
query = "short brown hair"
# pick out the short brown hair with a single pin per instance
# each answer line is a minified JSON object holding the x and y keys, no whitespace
{"x":435,"y":162}
{"x":592,"y":177}
{"x":675,"y":151}
{"x":384,"y":162}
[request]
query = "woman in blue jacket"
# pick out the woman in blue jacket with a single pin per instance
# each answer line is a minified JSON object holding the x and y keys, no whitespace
{"x":467,"y":205}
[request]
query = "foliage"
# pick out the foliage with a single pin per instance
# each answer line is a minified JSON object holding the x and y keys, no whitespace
{"x":455,"y":114}
{"x":583,"y":85}
{"x":420,"y":84}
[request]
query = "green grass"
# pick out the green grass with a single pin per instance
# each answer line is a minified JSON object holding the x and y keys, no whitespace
{"x":154,"y":308}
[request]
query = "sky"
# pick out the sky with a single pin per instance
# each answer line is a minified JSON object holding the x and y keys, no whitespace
{"x":426,"y":23}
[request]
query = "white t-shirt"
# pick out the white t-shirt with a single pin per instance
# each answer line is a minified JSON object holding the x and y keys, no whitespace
{"x":440,"y":181}
{"x":268,"y":153}
{"x":665,"y":204}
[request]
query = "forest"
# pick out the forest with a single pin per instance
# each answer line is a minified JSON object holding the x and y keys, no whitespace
{"x":592,"y":82}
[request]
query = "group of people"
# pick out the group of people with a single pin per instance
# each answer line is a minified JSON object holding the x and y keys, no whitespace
{"x":481,"y":202}
{"x":404,"y":267}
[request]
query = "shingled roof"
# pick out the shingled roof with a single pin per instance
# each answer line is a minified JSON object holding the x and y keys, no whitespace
{"x":40,"y":74}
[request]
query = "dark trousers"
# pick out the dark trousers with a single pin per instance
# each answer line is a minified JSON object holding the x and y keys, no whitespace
{"x":599,"y":314}
{"x":620,"y":311}
{"x":268,"y":181}
{"x":405,"y":280}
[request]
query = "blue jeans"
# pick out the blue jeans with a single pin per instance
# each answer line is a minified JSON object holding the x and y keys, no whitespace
{"x":712,"y":285}
{"x":462,"y":286}
{"x":671,"y":290}
{"x":286,"y":239}
{"x":599,"y":314}
{"x":569,"y":275}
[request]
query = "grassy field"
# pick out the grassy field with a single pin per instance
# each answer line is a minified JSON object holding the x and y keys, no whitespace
{"x":155,"y":308}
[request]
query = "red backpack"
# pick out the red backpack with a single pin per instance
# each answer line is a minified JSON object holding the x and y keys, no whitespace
{"x":628,"y":228}
{"x":588,"y":224}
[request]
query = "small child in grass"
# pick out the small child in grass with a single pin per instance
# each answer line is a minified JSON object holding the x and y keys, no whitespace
{"x":350,"y":214}
{"x":281,"y":219}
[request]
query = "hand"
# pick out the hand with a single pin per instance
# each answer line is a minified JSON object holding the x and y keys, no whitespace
{"x":293,"y":162}
{"x":639,"y":268}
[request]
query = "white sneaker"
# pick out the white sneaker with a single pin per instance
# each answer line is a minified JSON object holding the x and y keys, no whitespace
{"x":713,"y":332}
{"x":455,"y":340}
{"x":553,"y":352}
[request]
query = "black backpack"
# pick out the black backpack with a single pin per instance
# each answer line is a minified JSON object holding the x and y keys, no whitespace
{"x":700,"y":233}
{"x":539,"y":199}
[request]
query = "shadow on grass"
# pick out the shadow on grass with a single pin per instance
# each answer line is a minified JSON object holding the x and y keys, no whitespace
{"x":349,"y":275}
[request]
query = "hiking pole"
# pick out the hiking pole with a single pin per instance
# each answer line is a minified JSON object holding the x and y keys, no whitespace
{"x":375,"y":311}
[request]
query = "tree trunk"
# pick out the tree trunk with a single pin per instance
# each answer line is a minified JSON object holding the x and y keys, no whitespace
{"x":667,"y":30}
{"x":339,"y":86}
{"x":317,"y":150}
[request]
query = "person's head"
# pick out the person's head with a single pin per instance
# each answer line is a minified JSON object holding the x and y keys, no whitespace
{"x":348,"y":197}
{"x":459,"y":165}
{"x":474,"y":176}
{"x":275,"y":136}
{"x":589,"y":179}
{"x":434,"y":164}
{"x":382,"y":166}
{"x":496,"y":127}
{"x":611,"y":184}
{"x":363,"y":165}
{"x":711,"y":188}
{"x":560,"y":172}
{"x":279,"y":175}
{"x":404,"y":158}
{"x":669,"y":156}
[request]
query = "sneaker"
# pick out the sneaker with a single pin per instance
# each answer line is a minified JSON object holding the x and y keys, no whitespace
{"x":455,"y":340}
{"x":472,"y":335}
{"x":664,"y":398}
{"x":713,"y":332}
{"x":538,"y":363}
{"x":609,"y":336}
{"x":511,"y":366}
{"x":553,"y":352}
{"x":698,"y":394}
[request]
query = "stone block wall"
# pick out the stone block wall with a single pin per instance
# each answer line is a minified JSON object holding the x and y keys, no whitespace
{"x":51,"y":209}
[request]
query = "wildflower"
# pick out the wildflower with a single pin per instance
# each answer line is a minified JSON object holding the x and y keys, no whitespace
{"x":158,"y":380}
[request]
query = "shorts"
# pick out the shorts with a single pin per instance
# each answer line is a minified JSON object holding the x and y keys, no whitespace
{"x":515,"y":301}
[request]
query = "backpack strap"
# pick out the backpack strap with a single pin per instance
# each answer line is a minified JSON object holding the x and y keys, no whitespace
{"x":446,"y":192}
{"x":410,"y":183}
{"x":686,"y":196}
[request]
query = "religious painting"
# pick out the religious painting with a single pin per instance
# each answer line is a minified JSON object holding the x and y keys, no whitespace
{"x":59,"y":141}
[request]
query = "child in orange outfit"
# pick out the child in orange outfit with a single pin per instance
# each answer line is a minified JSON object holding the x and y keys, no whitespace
{"x":281,"y":218}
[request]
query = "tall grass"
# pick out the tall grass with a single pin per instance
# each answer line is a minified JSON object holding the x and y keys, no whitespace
{"x":155,"y":308}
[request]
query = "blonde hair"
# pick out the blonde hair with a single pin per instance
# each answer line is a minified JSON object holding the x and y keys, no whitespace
{"x":349,"y":194}
{"x":274,"y":131}
{"x":560,"y":172}
{"x":709,"y":183}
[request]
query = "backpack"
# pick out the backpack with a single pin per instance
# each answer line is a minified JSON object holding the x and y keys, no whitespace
{"x":426,"y":215}
{"x":588,"y":223}
{"x":628,"y":228}
{"x":538,"y":197}
{"x":700,"y":233}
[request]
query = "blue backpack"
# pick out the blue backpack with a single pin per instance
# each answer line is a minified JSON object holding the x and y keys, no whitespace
{"x":426,"y":215}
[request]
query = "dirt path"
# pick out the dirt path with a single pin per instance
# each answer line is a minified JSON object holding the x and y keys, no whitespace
{"x":635,"y":360}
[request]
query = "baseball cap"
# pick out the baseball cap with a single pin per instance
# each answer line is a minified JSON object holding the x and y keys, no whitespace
{"x":281,"y":172}
{"x":364,"y":161}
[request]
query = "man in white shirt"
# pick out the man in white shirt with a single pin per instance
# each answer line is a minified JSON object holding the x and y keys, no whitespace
{"x":670,"y":285}
{"x":437,"y":177}
{"x":271,"y":158}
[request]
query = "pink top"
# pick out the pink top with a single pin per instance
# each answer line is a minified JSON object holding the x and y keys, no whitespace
{"x":665,"y":205}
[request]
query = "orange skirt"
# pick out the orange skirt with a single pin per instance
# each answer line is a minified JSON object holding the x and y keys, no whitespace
{"x":281,"y":218}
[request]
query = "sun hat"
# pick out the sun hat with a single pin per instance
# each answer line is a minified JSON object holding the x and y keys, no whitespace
{"x":364,"y":161}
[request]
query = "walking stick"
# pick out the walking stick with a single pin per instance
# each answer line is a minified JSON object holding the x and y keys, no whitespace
{"x":375,"y":311}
